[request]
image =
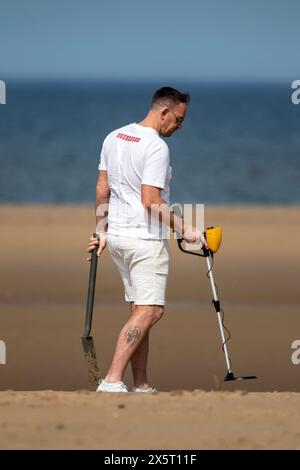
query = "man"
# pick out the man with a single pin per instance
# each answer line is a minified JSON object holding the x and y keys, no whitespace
{"x":133,"y":185}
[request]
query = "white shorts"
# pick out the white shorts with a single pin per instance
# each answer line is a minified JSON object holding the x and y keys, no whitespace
{"x":144,"y":267}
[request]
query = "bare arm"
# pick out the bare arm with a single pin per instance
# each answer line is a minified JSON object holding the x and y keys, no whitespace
{"x":102,"y":201}
{"x":153,"y":202}
{"x":101,"y":210}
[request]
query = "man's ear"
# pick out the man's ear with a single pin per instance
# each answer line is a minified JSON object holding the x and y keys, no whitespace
{"x":164,"y":112}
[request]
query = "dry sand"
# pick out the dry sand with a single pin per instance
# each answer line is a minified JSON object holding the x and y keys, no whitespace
{"x":168,"y":420}
{"x":42,"y":300}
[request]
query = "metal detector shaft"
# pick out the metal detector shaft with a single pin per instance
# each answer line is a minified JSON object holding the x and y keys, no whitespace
{"x":216,"y":303}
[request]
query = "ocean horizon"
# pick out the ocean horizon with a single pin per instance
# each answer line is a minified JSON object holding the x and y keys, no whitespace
{"x":240,"y":142}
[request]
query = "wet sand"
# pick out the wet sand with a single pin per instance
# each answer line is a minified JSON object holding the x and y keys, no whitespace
{"x":42,"y":301}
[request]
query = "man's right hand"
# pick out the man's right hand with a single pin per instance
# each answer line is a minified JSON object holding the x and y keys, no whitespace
{"x":194,"y":235}
{"x":94,"y":242}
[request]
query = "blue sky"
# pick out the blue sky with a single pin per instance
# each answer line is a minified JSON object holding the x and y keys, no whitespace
{"x":144,"y":40}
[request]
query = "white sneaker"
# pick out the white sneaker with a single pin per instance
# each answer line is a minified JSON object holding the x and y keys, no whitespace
{"x":144,"y":390}
{"x":118,"y":387}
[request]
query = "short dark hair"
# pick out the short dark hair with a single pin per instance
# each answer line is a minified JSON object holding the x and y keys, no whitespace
{"x":170,"y":96}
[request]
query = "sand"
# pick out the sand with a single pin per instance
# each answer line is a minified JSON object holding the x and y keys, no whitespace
{"x":169,"y":420}
{"x":42,"y":300}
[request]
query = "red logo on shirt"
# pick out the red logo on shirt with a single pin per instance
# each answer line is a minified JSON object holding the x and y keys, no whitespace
{"x":130,"y":138}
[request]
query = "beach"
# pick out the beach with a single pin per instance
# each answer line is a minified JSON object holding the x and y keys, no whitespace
{"x":167,"y":420}
{"x":43,"y":290}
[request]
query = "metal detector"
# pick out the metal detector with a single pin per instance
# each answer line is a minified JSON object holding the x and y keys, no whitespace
{"x":213,"y":236}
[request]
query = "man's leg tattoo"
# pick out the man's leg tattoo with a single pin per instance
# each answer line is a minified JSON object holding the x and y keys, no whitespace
{"x":132,"y":335}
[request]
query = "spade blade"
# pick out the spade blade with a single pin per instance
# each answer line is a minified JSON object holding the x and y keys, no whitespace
{"x":91,"y":359}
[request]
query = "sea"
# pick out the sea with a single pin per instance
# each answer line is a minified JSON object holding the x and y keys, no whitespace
{"x":240,"y":143}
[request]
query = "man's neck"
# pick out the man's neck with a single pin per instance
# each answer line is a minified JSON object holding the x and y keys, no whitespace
{"x":150,"y":121}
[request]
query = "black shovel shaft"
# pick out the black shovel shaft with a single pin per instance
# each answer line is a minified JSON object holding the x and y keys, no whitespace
{"x":91,"y":294}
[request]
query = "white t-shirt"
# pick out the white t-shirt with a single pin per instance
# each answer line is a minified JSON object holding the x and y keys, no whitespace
{"x":134,"y":155}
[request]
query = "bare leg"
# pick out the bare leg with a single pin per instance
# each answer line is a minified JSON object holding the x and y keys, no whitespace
{"x":139,"y":364}
{"x":132,"y":334}
{"x":139,"y":360}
